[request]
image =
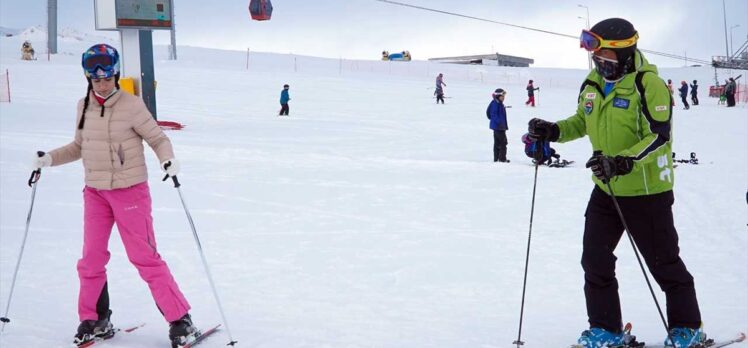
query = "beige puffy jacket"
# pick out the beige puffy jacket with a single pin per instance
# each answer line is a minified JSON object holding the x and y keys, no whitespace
{"x":111,"y":145}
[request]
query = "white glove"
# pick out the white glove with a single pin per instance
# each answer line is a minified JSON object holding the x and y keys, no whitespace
{"x":40,"y":162}
{"x":170,"y":167}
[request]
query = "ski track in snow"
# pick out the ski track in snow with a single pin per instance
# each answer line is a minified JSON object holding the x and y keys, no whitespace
{"x":369,"y":218}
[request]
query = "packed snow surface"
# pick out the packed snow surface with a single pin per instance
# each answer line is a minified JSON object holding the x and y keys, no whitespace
{"x":371,"y":217}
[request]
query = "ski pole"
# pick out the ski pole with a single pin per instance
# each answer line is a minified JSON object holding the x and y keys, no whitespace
{"x":636,"y":252}
{"x":32,"y":183}
{"x":538,"y":153}
{"x":202,"y":256}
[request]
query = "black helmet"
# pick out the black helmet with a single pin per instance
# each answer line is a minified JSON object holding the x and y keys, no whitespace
{"x":694,"y":82}
{"x":499,"y":92}
{"x":285,"y":86}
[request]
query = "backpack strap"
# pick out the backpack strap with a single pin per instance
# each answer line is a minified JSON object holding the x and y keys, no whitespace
{"x":661,"y":128}
{"x":586,"y":83}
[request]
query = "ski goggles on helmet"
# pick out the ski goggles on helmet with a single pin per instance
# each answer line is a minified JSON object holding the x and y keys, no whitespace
{"x":100,"y":61}
{"x":593,"y":42}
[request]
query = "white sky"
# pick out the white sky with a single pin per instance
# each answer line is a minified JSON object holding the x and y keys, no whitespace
{"x":361,"y":29}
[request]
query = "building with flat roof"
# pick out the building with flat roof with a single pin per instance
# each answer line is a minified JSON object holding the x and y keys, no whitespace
{"x":487,"y":59}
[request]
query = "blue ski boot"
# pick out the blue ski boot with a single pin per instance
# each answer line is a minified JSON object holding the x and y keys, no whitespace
{"x":684,"y":337}
{"x":600,"y":338}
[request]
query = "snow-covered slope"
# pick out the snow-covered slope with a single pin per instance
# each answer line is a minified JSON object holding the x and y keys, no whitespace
{"x":369,"y":218}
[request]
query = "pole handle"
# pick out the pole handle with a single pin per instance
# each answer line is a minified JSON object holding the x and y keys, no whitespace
{"x":173,"y":177}
{"x":36,"y":173}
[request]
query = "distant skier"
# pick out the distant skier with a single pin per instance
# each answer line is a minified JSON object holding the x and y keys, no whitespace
{"x":623,"y":109}
{"x":672,"y":92}
{"x":531,"y":94}
{"x":722,"y":93}
{"x":27,"y":51}
{"x":496,"y":112}
{"x":440,"y":81}
{"x":694,"y":96}
{"x":284,"y":98}
{"x":111,"y":127}
{"x":730,"y":88}
{"x":684,"y":94}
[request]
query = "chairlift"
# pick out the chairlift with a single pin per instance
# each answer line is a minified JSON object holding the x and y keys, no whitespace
{"x":260,"y":10}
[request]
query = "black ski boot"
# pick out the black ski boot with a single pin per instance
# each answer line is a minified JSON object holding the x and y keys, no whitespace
{"x":90,"y":330}
{"x":182,"y":331}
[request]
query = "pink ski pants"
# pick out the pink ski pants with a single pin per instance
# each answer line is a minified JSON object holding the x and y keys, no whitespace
{"x":130,"y":208}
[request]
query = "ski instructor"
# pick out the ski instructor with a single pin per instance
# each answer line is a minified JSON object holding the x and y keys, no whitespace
{"x":110,"y":129}
{"x":625,"y":109}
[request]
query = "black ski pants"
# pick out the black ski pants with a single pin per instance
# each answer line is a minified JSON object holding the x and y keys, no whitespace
{"x":650,"y":219}
{"x":730,"y":99}
{"x":284,"y":110}
{"x":685,"y":102}
{"x":499,"y":145}
{"x":694,"y":99}
{"x":440,"y":97}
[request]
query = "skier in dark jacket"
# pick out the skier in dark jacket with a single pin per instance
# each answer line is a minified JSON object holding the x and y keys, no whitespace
{"x":730,"y":88}
{"x":439,"y":92}
{"x":623,"y":108}
{"x":684,"y":94}
{"x":531,"y":94}
{"x":284,"y":98}
{"x":496,"y":112}
{"x":694,"y":96}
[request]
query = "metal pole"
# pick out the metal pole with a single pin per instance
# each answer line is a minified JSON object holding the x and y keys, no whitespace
{"x":205,"y":261}
{"x":52,"y":26}
{"x":732,"y":48}
{"x":724,"y":14}
{"x":589,"y":54}
{"x":173,"y":51}
{"x":32,"y":182}
{"x":519,"y":341}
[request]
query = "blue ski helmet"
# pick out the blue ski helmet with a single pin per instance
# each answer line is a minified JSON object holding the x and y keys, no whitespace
{"x":100,"y":61}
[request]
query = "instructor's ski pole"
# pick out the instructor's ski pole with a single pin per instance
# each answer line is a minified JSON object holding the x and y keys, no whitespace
{"x":32,"y":183}
{"x":538,"y":156}
{"x":636,"y":252}
{"x":202,"y":256}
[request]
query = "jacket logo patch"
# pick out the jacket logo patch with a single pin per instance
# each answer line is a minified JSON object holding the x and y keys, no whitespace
{"x":588,"y":107}
{"x":661,"y":108}
{"x":590,"y":96}
{"x":621,"y":103}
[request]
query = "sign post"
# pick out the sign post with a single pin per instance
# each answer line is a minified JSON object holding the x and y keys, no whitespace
{"x":135,"y":20}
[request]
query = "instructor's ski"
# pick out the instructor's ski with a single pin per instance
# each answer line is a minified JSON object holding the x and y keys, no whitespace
{"x":710,"y":343}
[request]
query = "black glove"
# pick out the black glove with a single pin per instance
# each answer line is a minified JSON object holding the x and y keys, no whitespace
{"x":606,"y":167}
{"x":542,"y":130}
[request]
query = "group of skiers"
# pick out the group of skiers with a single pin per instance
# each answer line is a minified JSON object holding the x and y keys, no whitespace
{"x":728,"y":92}
{"x":630,"y":163}
{"x":683,"y":91}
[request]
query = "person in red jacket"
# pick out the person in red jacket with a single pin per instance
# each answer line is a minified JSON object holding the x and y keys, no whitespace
{"x":531,"y":94}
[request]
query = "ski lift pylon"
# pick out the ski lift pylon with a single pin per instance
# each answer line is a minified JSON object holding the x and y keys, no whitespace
{"x":260,"y":10}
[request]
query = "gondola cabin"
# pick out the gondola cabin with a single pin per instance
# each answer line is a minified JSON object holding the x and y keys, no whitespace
{"x":260,"y":10}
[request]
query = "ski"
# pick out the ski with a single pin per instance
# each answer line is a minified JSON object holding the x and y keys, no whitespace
{"x":710,"y":343}
{"x":98,"y":340}
{"x":196,"y":338}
